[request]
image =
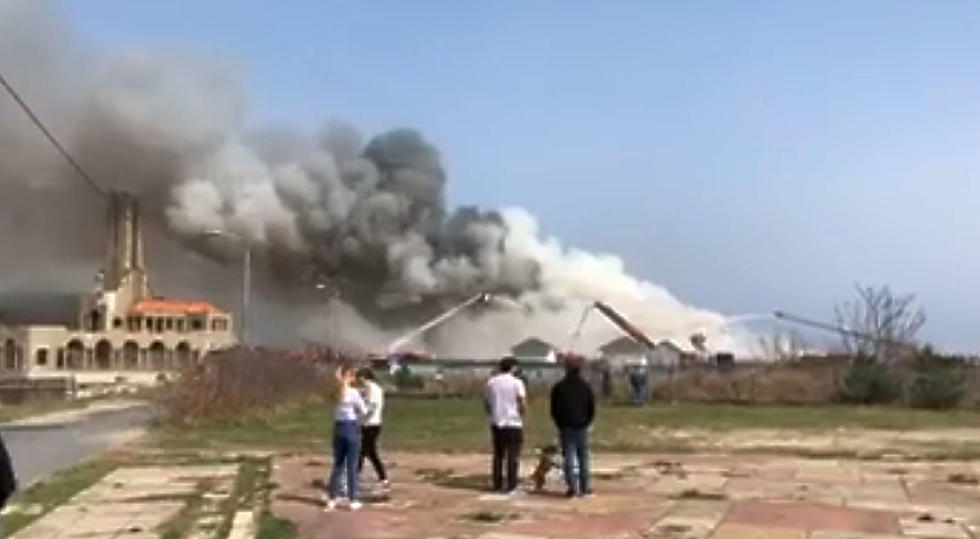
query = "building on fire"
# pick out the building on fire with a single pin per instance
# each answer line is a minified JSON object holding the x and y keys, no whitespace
{"x":118,"y":332}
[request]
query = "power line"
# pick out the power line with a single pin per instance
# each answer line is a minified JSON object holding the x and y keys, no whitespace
{"x":40,"y":125}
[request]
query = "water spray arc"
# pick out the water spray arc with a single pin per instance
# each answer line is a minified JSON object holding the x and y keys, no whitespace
{"x":481,"y":298}
{"x":847,"y":332}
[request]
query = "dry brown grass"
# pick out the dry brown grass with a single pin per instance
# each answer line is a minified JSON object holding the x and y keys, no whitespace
{"x":234,"y":381}
{"x":774,"y":384}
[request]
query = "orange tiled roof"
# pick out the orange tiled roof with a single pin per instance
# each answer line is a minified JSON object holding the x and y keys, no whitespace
{"x":173,"y":306}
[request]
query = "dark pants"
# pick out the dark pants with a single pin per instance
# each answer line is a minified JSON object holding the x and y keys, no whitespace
{"x":369,"y":449}
{"x":506,"y":445}
{"x":641,"y":384}
{"x":575,"y":450}
{"x":346,"y":445}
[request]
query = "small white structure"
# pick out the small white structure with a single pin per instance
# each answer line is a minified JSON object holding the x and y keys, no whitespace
{"x":668,"y":353}
{"x":534,"y":349}
{"x":624,"y":352}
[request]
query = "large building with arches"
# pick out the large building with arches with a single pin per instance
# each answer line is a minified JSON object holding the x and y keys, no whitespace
{"x":118,"y":332}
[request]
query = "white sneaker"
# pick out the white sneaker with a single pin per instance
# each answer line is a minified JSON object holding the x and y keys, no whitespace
{"x":355,"y":505}
{"x":330,"y":505}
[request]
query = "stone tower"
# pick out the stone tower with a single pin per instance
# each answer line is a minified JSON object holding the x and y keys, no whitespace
{"x":125,"y":269}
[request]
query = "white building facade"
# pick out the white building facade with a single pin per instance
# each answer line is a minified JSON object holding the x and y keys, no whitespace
{"x":120,"y":332}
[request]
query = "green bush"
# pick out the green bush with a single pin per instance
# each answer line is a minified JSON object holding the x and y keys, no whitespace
{"x":939,"y":381}
{"x":937,"y":389}
{"x":869,"y":382}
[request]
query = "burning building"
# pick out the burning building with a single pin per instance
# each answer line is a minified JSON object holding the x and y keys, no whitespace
{"x":119,"y":331}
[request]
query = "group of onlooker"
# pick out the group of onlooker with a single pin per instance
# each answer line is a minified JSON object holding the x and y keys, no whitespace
{"x":572,"y":411}
{"x":357,"y":428}
{"x":358,"y":419}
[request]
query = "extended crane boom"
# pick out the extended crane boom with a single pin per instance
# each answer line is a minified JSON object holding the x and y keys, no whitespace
{"x":623,"y":324}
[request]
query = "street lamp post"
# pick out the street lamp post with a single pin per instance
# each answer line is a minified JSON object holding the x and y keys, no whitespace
{"x":246,"y":278}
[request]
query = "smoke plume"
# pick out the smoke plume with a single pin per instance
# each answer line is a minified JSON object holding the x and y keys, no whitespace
{"x":364,"y":217}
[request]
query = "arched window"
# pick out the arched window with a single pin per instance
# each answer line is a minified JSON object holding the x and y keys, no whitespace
{"x":41,"y":357}
{"x":158,"y":356}
{"x":10,"y":355}
{"x":103,"y":355}
{"x":131,"y":356}
{"x":76,"y":355}
{"x":182,"y":355}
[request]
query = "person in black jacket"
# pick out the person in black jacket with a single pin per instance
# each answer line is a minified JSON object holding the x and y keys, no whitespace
{"x":8,"y":482}
{"x":572,"y":410}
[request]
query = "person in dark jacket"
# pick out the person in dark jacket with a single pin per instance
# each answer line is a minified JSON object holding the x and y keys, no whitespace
{"x":8,"y":482}
{"x":572,"y":410}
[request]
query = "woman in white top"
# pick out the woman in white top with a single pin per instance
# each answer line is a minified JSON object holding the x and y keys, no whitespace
{"x":346,"y":438}
{"x":374,"y":397}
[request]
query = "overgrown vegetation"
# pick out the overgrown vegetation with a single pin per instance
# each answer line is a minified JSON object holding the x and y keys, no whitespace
{"x":867,"y":381}
{"x":768,"y":384}
{"x":230,"y":383}
{"x":938,"y":382}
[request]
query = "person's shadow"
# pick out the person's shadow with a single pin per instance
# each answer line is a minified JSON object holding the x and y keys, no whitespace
{"x":477,"y":482}
{"x":319,"y":485}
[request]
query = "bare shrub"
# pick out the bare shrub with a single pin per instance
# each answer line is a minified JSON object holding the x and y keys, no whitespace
{"x":775,"y":384}
{"x":879,"y":325}
{"x":230,"y":382}
{"x":795,"y":386}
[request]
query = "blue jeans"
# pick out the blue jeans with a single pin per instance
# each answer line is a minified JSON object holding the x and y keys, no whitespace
{"x":575,"y":450}
{"x":641,"y":387}
{"x":346,"y":448}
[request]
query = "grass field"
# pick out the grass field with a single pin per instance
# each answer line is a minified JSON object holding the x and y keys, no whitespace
{"x":13,"y":412}
{"x":460,"y":425}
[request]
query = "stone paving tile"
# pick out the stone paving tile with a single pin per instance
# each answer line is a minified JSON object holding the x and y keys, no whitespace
{"x":747,"y":531}
{"x":914,"y":527}
{"x":495,"y":535}
{"x":128,"y":503}
{"x":809,"y":516}
{"x":823,"y":534}
{"x":699,"y":509}
{"x":641,"y":496}
{"x":672,"y":527}
{"x":703,"y":483}
{"x":741,"y":488}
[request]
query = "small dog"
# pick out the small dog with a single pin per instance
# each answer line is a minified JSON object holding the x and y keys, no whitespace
{"x":547,"y":460}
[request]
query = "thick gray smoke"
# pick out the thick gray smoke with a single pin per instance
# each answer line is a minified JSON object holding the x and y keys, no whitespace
{"x":365,"y":216}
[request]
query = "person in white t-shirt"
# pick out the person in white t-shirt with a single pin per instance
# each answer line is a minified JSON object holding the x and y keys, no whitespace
{"x":348,"y":414}
{"x":505,"y":406}
{"x":374,"y":398}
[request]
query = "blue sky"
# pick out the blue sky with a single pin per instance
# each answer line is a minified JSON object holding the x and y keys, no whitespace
{"x":747,"y":155}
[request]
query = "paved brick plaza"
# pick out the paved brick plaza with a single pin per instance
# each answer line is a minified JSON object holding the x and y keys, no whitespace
{"x":650,"y":496}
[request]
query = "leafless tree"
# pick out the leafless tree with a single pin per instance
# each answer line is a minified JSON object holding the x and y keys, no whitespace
{"x":878,"y":324}
{"x":781,"y":347}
